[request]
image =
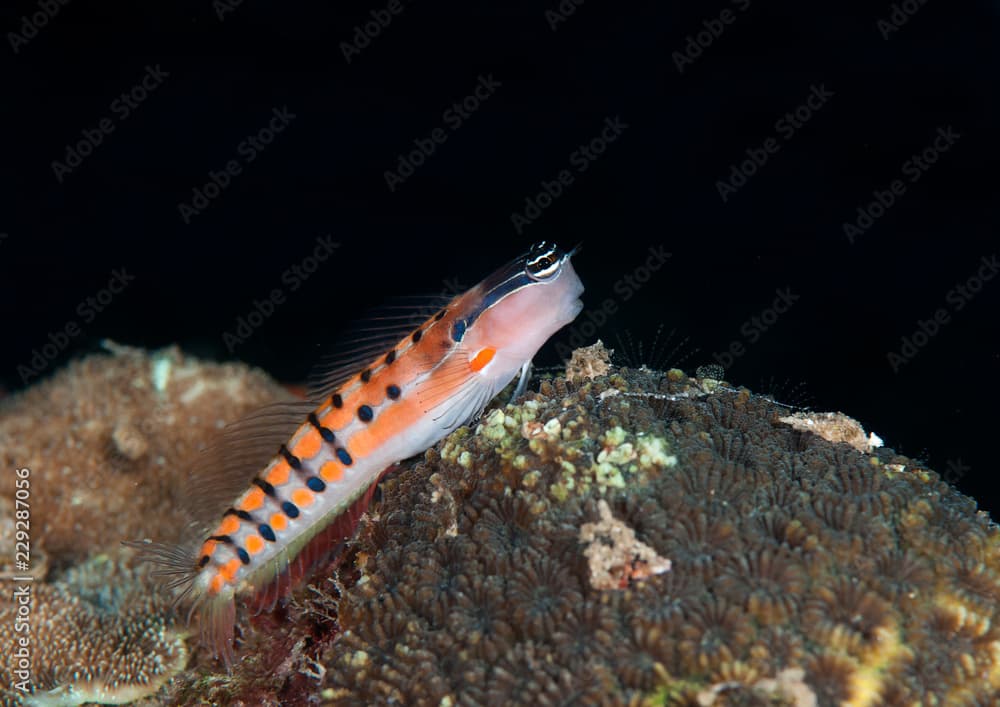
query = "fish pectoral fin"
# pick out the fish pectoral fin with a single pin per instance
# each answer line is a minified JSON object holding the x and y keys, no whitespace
{"x":454,"y":394}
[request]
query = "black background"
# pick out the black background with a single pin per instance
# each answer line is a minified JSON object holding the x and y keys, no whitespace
{"x":656,"y":185}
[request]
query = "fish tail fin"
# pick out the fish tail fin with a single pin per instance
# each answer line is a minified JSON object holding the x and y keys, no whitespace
{"x":175,"y":565}
{"x":176,"y":568}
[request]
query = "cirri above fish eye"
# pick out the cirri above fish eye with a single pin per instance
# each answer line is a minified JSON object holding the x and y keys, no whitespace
{"x":543,"y":261}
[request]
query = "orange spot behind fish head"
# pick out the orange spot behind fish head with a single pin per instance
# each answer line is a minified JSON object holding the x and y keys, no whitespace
{"x":482,"y":359}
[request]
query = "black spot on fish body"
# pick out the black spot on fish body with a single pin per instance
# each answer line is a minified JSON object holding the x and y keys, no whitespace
{"x":242,"y":515}
{"x":344,"y":457}
{"x":290,"y":509}
{"x":293,"y":461}
{"x":393,"y":391}
{"x":266,"y":532}
{"x":325,"y":432}
{"x":366,"y":375}
{"x":243,"y":555}
{"x":264,"y":486}
{"x":365,"y":413}
{"x":316,"y":484}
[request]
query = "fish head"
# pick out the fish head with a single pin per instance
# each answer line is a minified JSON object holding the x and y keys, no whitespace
{"x":520,"y":306}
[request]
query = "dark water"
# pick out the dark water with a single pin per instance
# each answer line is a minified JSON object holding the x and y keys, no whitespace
{"x":803,"y":197}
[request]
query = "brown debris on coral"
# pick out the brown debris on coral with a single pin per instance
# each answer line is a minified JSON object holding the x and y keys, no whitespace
{"x":834,"y":427}
{"x":615,"y":556}
{"x":589,"y":362}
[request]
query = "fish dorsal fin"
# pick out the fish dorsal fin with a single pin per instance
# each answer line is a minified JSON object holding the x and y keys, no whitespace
{"x":370,"y":337}
{"x":224,"y":469}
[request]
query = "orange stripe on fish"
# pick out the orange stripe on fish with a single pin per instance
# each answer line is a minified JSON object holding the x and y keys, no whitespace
{"x":285,"y":485}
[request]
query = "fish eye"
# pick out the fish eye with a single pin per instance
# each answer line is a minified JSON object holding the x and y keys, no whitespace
{"x":543,"y":261}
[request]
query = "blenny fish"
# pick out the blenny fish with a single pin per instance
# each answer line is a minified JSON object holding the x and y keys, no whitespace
{"x":284,"y":486}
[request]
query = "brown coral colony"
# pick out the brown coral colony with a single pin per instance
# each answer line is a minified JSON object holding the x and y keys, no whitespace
{"x":783,"y":582}
{"x":620,"y":537}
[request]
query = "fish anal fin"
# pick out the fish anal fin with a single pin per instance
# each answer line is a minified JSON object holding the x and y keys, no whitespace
{"x":218,"y":621}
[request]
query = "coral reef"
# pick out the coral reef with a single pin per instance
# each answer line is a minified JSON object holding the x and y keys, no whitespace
{"x":109,"y":441}
{"x":103,"y":634}
{"x":628,"y":537}
{"x":802,"y":570}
